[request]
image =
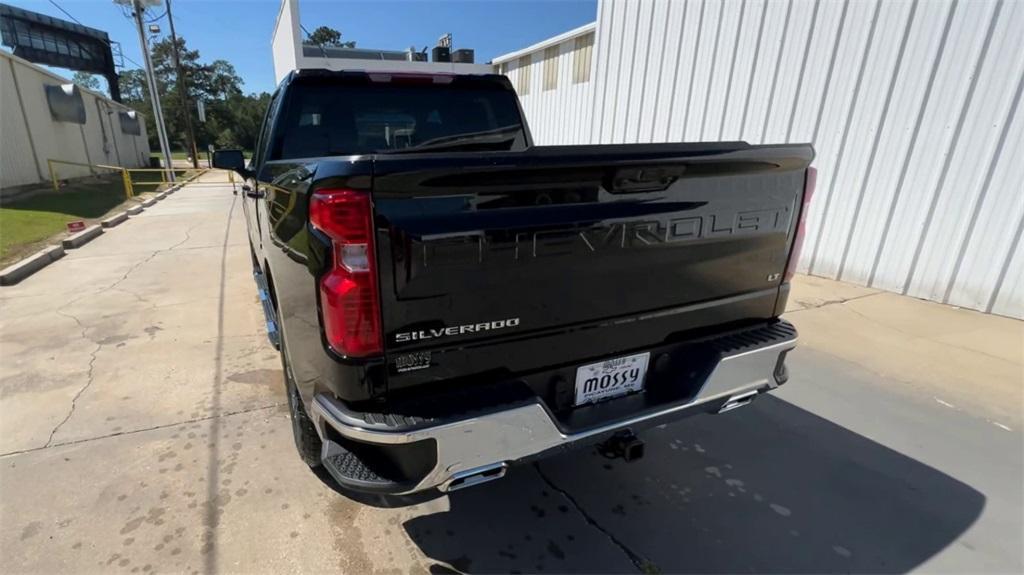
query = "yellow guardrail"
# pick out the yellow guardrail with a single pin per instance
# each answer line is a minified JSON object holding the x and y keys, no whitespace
{"x":189,"y":176}
{"x":141,"y":178}
{"x":132,"y":182}
{"x":55,"y":181}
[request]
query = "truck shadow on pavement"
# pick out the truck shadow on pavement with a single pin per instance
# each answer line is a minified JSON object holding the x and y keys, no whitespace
{"x":769,"y":488}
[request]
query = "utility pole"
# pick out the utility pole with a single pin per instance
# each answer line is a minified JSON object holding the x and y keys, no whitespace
{"x":158,"y":114}
{"x":182,"y":92}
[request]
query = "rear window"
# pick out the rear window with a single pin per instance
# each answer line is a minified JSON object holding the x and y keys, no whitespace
{"x":325,"y":119}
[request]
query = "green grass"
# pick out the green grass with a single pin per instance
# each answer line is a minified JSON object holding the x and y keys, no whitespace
{"x":26,"y":222}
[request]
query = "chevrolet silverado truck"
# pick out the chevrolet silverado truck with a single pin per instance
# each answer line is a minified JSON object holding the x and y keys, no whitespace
{"x":450,"y":299}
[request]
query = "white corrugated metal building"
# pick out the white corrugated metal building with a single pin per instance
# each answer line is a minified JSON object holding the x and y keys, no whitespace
{"x":913,"y":107}
{"x":31,"y":134}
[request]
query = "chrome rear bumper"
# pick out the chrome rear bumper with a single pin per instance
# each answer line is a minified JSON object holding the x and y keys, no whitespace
{"x":476,"y":449}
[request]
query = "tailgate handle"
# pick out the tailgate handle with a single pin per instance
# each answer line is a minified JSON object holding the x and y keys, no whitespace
{"x":635,"y":180}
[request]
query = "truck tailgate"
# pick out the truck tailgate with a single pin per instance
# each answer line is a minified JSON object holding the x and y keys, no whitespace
{"x":478,"y":250}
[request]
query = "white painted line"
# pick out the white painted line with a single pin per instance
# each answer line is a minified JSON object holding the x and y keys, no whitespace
{"x":946,"y":403}
{"x":997,"y":424}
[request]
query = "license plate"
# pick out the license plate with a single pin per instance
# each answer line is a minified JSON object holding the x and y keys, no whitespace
{"x":612,"y":378}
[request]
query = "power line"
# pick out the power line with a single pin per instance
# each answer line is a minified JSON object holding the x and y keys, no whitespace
{"x":151,"y":20}
{"x":79,"y":22}
{"x":121,"y":53}
{"x":66,"y":13}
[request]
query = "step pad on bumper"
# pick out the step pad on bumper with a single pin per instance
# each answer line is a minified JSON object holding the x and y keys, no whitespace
{"x":754,"y":338}
{"x":351,"y":471}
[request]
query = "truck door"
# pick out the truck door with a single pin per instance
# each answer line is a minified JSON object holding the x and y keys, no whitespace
{"x":255,"y":190}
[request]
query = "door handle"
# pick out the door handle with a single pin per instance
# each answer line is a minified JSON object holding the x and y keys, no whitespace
{"x":249,"y":192}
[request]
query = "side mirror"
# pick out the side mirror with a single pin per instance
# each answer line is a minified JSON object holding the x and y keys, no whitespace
{"x":230,"y":160}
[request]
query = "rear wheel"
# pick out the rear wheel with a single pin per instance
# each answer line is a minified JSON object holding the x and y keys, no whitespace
{"x":307,"y":441}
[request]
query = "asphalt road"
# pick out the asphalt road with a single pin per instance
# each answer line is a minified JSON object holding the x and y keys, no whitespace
{"x":142,"y":429}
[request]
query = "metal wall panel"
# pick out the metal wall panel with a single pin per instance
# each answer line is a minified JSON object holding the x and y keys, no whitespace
{"x":23,"y":104}
{"x":17,"y":164}
{"x":913,"y":107}
{"x":560,"y":115}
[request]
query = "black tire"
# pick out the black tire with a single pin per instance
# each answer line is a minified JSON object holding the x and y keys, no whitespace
{"x":307,"y":441}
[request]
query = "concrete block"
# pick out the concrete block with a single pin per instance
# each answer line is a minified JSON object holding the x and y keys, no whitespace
{"x":149,"y":203}
{"x":114,"y":220}
{"x":81,"y":238}
{"x":135,"y":210}
{"x":18,"y":271}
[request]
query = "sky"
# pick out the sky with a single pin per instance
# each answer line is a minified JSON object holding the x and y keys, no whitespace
{"x":239,"y":31}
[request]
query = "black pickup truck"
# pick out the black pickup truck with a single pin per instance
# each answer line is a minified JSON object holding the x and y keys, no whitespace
{"x":450,"y":299}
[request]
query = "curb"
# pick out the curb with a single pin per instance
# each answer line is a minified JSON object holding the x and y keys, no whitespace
{"x":16,"y":272}
{"x":81,"y":238}
{"x":20,"y":270}
{"x":114,"y":220}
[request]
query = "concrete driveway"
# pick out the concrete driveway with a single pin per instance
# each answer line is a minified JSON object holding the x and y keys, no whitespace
{"x":143,"y":430}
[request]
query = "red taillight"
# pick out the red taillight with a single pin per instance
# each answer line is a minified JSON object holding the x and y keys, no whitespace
{"x":798,"y":240}
{"x":348,"y":291}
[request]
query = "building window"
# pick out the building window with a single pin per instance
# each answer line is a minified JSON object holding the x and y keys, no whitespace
{"x":523,"y":76}
{"x":551,"y":68}
{"x":581,"y":59}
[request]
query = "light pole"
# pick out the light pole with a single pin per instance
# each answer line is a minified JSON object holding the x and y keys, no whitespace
{"x":158,"y":114}
{"x":182,"y":91}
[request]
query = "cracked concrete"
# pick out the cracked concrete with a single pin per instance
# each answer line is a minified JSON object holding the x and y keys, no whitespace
{"x":642,"y":565}
{"x":143,"y":427}
{"x":74,"y":400}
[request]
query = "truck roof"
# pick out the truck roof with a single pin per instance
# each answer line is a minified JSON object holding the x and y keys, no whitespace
{"x":384,"y":76}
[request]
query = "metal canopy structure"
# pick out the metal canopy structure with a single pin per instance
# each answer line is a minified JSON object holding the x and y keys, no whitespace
{"x":42,"y":39}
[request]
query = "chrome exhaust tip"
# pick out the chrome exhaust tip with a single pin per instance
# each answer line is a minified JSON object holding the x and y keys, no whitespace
{"x":738,"y":400}
{"x":475,"y":476}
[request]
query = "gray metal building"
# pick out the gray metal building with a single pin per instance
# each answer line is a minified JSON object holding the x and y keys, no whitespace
{"x":913,"y":107}
{"x":44,"y":117}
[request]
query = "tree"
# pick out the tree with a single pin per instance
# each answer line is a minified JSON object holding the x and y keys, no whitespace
{"x":133,"y":87}
{"x":86,"y":80}
{"x":327,"y":36}
{"x":232,"y":118}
